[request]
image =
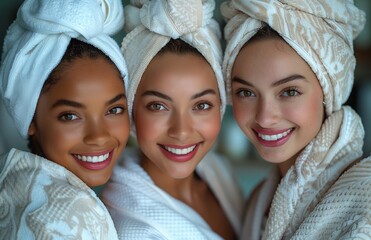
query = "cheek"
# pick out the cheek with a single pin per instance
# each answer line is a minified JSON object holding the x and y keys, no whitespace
{"x":57,"y":140}
{"x":314,"y":109}
{"x":147,"y":127}
{"x":55,"y":145}
{"x":209,"y":127}
{"x":121,"y":129}
{"x":242,"y":113}
{"x":308,"y":115}
{"x":50,"y":132}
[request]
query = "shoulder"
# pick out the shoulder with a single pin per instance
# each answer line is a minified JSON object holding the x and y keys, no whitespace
{"x":46,"y":200}
{"x":345,"y":210}
{"x":352,"y":189}
{"x":133,"y":227}
{"x":356,"y":178}
{"x":28,"y":165}
{"x":71,"y":212}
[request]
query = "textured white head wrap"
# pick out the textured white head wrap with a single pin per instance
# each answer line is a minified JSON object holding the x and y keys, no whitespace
{"x":37,"y":40}
{"x":151,"y":25}
{"x":320,"y":31}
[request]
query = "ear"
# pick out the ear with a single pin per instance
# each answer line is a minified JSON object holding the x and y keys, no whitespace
{"x":32,"y":129}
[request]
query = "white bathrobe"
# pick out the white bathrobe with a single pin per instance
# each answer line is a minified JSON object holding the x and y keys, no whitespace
{"x":141,"y":210}
{"x":42,"y":200}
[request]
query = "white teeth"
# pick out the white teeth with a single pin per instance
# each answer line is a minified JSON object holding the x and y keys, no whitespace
{"x":274,"y":137}
{"x":93,"y":159}
{"x":178,"y":151}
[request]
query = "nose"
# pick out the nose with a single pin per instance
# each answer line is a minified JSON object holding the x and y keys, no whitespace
{"x":267,"y":113}
{"x":96,"y":133}
{"x":180,"y":126}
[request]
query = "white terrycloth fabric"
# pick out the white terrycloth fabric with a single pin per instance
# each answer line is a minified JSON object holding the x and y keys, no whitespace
{"x":37,"y":40}
{"x":321,"y":32}
{"x":42,"y":200}
{"x":141,"y":210}
{"x":151,"y":25}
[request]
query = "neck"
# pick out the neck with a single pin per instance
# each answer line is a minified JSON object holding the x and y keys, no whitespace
{"x":181,"y":189}
{"x":286,"y":165}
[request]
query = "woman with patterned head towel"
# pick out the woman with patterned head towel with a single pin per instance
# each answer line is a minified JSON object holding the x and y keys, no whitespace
{"x":174,"y":188}
{"x":62,"y":81}
{"x":289,"y":68}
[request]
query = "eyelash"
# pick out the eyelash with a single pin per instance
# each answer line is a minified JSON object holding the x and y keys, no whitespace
{"x":66,"y":116}
{"x":291,"y":89}
{"x":208,"y":108}
{"x":197,"y":107}
{"x":123,"y":109}
{"x":245,"y":93}
{"x":153,"y":106}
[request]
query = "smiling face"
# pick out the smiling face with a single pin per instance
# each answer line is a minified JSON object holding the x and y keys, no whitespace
{"x":81,"y":120}
{"x":176,"y":113}
{"x":277,"y":100}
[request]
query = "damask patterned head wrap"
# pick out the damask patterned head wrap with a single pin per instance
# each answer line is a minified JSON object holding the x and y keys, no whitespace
{"x":151,"y":25}
{"x":37,"y":40}
{"x":320,"y":31}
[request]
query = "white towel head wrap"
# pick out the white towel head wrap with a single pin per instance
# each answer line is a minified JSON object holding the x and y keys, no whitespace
{"x":151,"y":25}
{"x":320,"y":31}
{"x":37,"y":40}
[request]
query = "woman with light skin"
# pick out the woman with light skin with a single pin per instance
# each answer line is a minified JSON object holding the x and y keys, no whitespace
{"x":289,"y":69}
{"x":174,"y":187}
{"x":64,"y":87}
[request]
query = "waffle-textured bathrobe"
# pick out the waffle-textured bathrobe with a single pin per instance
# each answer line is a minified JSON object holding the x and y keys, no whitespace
{"x":141,"y":210}
{"x":42,"y":200}
{"x":325,"y":195}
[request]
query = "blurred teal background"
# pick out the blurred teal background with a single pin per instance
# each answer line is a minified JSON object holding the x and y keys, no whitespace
{"x":250,"y":169}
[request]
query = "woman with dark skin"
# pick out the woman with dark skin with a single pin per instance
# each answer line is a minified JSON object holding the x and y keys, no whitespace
{"x":71,"y":104}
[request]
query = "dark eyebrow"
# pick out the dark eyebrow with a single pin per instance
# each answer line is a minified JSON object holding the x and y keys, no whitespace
{"x":203,"y":93}
{"x":239,"y":80}
{"x":288,"y":79}
{"x":157,"y":94}
{"x":65,"y":102}
{"x":275,"y":84}
{"x":115,"y":99}
{"x":161,"y":95}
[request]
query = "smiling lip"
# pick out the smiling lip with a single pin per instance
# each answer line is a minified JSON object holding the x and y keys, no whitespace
{"x":273,"y":138}
{"x":179,"y":153}
{"x":94,"y":161}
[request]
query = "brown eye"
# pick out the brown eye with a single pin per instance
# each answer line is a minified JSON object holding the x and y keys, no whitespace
{"x":68,"y":117}
{"x":203,"y":106}
{"x":116,"y":110}
{"x":244,"y":93}
{"x":156,"y":107}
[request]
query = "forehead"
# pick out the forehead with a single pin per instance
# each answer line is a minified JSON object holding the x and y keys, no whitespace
{"x":86,"y":70}
{"x":269,"y":59}
{"x":178,"y":72}
{"x":85,"y":81}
